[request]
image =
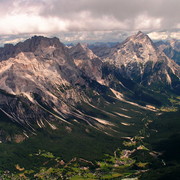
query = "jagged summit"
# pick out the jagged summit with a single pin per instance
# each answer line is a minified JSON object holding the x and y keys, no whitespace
{"x":139,"y":59}
{"x":87,"y":61}
{"x":33,"y":44}
{"x":79,"y":45}
{"x":140,"y":34}
{"x":141,"y":37}
{"x":37,"y":44}
{"x":136,"y":48}
{"x":82,"y":52}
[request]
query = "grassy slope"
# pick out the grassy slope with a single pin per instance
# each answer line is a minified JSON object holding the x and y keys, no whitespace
{"x":91,"y":144}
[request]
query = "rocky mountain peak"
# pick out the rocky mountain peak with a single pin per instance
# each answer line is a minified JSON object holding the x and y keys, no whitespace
{"x":38,"y":42}
{"x":82,"y":46}
{"x":51,"y":79}
{"x":136,"y":49}
{"x":141,"y":37}
{"x":82,"y":52}
{"x":139,"y":59}
{"x":140,"y":33}
{"x":35,"y":44}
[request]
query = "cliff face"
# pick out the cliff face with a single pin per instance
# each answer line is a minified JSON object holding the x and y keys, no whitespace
{"x":171,"y":48}
{"x":42,"y":81}
{"x":36,"y":78}
{"x":87,"y":62}
{"x":139,"y":59}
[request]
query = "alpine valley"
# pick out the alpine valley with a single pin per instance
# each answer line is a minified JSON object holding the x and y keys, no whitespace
{"x":90,"y":111}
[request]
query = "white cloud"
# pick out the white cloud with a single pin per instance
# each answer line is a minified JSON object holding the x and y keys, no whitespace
{"x":164,"y":35}
{"x":93,"y":36}
{"x":23,"y":23}
{"x":33,"y":23}
{"x":88,"y":23}
{"x":145,"y":22}
{"x":175,"y":35}
{"x":13,"y":41}
{"x":88,"y":19}
{"x":25,"y":16}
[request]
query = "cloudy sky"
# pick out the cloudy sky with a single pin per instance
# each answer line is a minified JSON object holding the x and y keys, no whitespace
{"x":88,"y":20}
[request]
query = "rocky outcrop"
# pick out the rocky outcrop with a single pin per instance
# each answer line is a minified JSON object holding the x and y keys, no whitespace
{"x":38,"y":83}
{"x":42,"y":81}
{"x":85,"y":60}
{"x":171,"y":48}
{"x":140,"y":60}
{"x":81,"y":52}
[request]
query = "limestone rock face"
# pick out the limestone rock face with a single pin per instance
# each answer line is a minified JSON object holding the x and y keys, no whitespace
{"x":40,"y":64}
{"x":82,"y":52}
{"x":40,"y":73}
{"x":139,"y":59}
{"x":87,"y":62}
{"x":42,"y":81}
{"x":171,"y":48}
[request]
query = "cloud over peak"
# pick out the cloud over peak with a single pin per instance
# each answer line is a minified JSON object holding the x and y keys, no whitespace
{"x":57,"y":16}
{"x":19,"y":16}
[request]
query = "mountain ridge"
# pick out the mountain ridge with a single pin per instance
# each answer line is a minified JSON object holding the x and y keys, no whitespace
{"x":138,"y":58}
{"x":43,"y":75}
{"x":73,"y":103}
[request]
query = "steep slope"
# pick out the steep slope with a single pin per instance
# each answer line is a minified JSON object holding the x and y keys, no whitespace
{"x":139,"y":59}
{"x":87,"y":62}
{"x":82,"y":52}
{"x":38,"y":84}
{"x":44,"y":84}
{"x":171,"y":49}
{"x":111,"y":77}
{"x":71,"y":102}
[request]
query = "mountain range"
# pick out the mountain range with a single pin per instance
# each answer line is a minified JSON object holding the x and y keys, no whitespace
{"x":94,"y":93}
{"x":42,"y":80}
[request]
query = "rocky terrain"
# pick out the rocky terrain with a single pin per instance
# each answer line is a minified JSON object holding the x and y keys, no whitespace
{"x":84,"y":102}
{"x":42,"y":81}
{"x":140,"y":60}
{"x":171,"y":48}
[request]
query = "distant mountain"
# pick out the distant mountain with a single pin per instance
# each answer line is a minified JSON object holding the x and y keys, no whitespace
{"x":170,"y":48}
{"x":102,"y":44}
{"x":82,"y":52}
{"x":100,"y":48}
{"x":139,"y":59}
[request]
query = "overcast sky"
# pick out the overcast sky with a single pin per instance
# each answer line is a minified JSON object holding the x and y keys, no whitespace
{"x":82,"y":20}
